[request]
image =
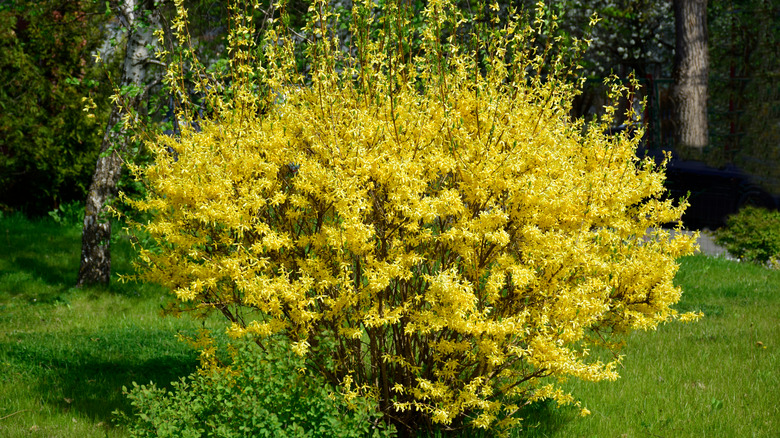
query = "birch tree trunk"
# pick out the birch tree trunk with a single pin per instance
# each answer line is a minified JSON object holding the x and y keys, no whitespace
{"x":691,"y":73}
{"x":96,"y":235}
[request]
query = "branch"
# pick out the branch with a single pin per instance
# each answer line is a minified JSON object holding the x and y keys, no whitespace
{"x":11,"y":415}
{"x":155,"y":62}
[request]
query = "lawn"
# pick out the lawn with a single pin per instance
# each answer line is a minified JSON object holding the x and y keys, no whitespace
{"x":65,"y":353}
{"x":719,"y":377}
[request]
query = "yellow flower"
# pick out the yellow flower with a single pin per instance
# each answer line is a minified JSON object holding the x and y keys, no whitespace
{"x":406,"y":218}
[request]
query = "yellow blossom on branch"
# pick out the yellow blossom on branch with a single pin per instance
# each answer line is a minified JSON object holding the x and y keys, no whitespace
{"x":423,"y":220}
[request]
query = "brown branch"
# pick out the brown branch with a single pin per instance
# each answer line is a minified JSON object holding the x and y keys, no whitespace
{"x":17,"y":412}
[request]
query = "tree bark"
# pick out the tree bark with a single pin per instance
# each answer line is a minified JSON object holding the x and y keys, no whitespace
{"x":691,"y":73}
{"x":96,"y":235}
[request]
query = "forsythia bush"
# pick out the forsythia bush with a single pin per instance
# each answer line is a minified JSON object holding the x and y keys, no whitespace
{"x":414,"y":209}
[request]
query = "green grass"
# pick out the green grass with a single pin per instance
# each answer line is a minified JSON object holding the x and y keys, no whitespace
{"x":65,"y":353}
{"x":719,"y":377}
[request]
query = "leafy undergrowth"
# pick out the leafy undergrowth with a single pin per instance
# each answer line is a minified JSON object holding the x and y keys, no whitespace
{"x":752,"y":234}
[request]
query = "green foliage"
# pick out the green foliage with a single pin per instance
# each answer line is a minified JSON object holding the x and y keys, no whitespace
{"x":261,"y":394}
{"x":48,"y":144}
{"x":70,"y":213}
{"x":744,"y":98}
{"x":752,"y":234}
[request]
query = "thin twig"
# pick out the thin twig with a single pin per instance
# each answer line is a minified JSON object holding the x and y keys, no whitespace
{"x":11,"y":415}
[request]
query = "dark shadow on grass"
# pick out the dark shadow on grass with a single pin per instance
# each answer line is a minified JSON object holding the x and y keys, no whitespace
{"x":545,"y":418}
{"x":87,"y":374}
{"x":44,"y":249}
{"x":95,"y":388}
{"x":48,"y":254}
{"x":47,"y":270}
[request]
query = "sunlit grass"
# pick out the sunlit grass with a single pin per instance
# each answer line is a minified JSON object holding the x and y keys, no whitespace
{"x":719,"y":377}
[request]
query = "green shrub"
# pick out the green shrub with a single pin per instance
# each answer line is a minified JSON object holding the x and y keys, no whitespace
{"x":68,"y":213}
{"x":261,"y":394}
{"x":752,"y":234}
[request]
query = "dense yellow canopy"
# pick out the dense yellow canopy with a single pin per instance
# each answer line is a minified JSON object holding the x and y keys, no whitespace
{"x":429,"y":228}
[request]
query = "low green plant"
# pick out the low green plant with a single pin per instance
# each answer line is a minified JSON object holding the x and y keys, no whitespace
{"x":68,"y":213}
{"x":752,"y":234}
{"x":261,"y":394}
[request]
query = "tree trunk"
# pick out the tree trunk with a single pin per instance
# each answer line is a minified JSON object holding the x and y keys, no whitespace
{"x":691,"y":73}
{"x":96,"y":235}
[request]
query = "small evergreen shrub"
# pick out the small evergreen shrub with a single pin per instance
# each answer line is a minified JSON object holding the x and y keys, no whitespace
{"x":48,"y":144}
{"x":752,"y":234}
{"x":261,"y":394}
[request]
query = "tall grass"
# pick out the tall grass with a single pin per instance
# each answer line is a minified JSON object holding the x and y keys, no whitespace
{"x":65,"y":353}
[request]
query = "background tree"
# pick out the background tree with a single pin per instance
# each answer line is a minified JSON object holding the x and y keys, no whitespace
{"x":48,"y":145}
{"x":139,"y":82}
{"x":744,"y":49}
{"x":691,"y":74}
{"x":140,"y":101}
{"x":141,"y":18}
